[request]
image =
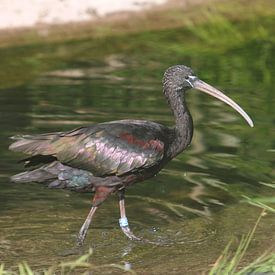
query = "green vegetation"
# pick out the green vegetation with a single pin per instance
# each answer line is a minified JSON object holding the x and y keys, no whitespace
{"x":262,"y":202}
{"x":178,"y":34}
{"x":78,"y":266}
{"x":229,"y":262}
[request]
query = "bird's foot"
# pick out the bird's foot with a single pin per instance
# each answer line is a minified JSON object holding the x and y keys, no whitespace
{"x":82,"y":234}
{"x":123,"y":222}
{"x":80,"y":239}
{"x":127,"y":231}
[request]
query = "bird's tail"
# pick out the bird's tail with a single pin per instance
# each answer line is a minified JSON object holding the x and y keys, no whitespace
{"x":33,"y":145}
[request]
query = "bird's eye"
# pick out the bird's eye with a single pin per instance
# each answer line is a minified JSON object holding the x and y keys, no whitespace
{"x":187,"y":77}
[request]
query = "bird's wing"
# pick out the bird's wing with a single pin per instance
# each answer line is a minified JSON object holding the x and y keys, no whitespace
{"x":104,"y":149}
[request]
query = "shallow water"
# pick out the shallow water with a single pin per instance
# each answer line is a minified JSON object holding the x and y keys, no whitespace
{"x":193,"y":207}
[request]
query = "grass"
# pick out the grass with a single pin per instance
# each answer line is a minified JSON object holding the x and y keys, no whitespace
{"x":81,"y":265}
{"x":228,"y":262}
{"x":261,"y":202}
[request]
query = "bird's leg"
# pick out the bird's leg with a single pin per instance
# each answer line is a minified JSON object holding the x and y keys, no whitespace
{"x":84,"y":228}
{"x":100,"y":196}
{"x":123,"y":221}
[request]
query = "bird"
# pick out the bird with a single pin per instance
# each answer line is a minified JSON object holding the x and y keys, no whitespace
{"x":109,"y":157}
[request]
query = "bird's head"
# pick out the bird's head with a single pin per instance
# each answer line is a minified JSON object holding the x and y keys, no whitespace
{"x":179,"y":78}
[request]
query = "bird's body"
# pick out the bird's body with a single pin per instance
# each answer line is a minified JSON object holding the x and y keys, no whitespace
{"x":108,"y":157}
{"x":113,"y":154}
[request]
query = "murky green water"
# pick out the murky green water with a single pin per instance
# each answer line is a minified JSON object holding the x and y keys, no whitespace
{"x":195,"y":204}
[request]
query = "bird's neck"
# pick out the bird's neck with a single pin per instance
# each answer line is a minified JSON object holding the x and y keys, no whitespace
{"x":183,"y":130}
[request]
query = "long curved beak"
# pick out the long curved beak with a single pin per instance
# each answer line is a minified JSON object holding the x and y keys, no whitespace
{"x":206,"y":88}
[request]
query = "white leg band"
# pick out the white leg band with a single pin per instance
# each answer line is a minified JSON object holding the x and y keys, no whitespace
{"x":123,"y":222}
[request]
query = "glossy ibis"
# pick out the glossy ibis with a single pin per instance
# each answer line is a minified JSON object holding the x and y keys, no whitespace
{"x":108,"y":157}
